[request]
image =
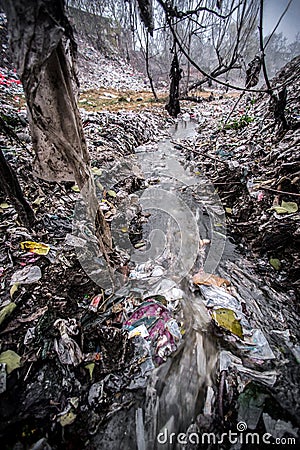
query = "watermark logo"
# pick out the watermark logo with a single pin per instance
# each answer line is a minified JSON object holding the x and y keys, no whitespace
{"x":241,"y":436}
{"x":183,"y":208}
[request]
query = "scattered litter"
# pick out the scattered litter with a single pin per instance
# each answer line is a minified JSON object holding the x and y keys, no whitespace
{"x":227,"y":360}
{"x":163,"y":331}
{"x":217,"y":297}
{"x":257,"y":346}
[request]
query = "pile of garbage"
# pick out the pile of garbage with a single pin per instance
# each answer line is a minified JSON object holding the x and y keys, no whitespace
{"x":75,"y":359}
{"x":254,"y":166}
{"x":72,"y":353}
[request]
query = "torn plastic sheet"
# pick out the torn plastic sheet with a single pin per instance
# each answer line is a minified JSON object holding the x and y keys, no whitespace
{"x":146,"y":270}
{"x":216,"y":296}
{"x":227,"y":360}
{"x":29,"y":336}
{"x":74,"y":241}
{"x":143,"y":361}
{"x":295,"y":348}
{"x":30,"y":274}
{"x":41,"y":444}
{"x":257,"y":346}
{"x":209,"y":401}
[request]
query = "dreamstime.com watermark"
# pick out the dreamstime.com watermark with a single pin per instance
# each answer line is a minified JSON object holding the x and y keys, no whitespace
{"x":241,"y":436}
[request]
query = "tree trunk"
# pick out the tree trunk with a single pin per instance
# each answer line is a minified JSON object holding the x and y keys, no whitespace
{"x":173,"y":107}
{"x":44,"y":50}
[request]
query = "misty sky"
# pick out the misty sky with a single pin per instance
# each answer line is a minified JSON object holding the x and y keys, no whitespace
{"x":290,"y":24}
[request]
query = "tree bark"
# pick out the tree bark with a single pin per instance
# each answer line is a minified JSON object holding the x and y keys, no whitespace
{"x":173,"y":107}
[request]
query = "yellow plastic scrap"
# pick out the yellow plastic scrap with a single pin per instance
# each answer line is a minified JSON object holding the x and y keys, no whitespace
{"x":209,"y":279}
{"x":226,"y":318}
{"x":90,"y":367}
{"x":35,"y":247}
{"x":11,"y":359}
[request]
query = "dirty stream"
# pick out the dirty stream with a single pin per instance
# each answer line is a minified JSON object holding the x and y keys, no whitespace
{"x":218,"y":377}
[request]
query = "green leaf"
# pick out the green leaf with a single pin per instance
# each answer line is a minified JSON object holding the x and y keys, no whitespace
{"x":99,"y":185}
{"x":75,"y":188}
{"x":228,"y":210}
{"x":279,"y":209}
{"x":111,"y":193}
{"x":96,"y":171}
{"x":38,"y":201}
{"x":90,"y":367}
{"x":7,"y":311}
{"x":285,"y":208}
{"x":275,"y":263}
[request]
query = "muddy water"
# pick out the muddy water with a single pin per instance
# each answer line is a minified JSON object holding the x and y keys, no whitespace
{"x":185,"y":210}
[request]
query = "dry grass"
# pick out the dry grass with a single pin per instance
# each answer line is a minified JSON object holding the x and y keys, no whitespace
{"x":112,"y":100}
